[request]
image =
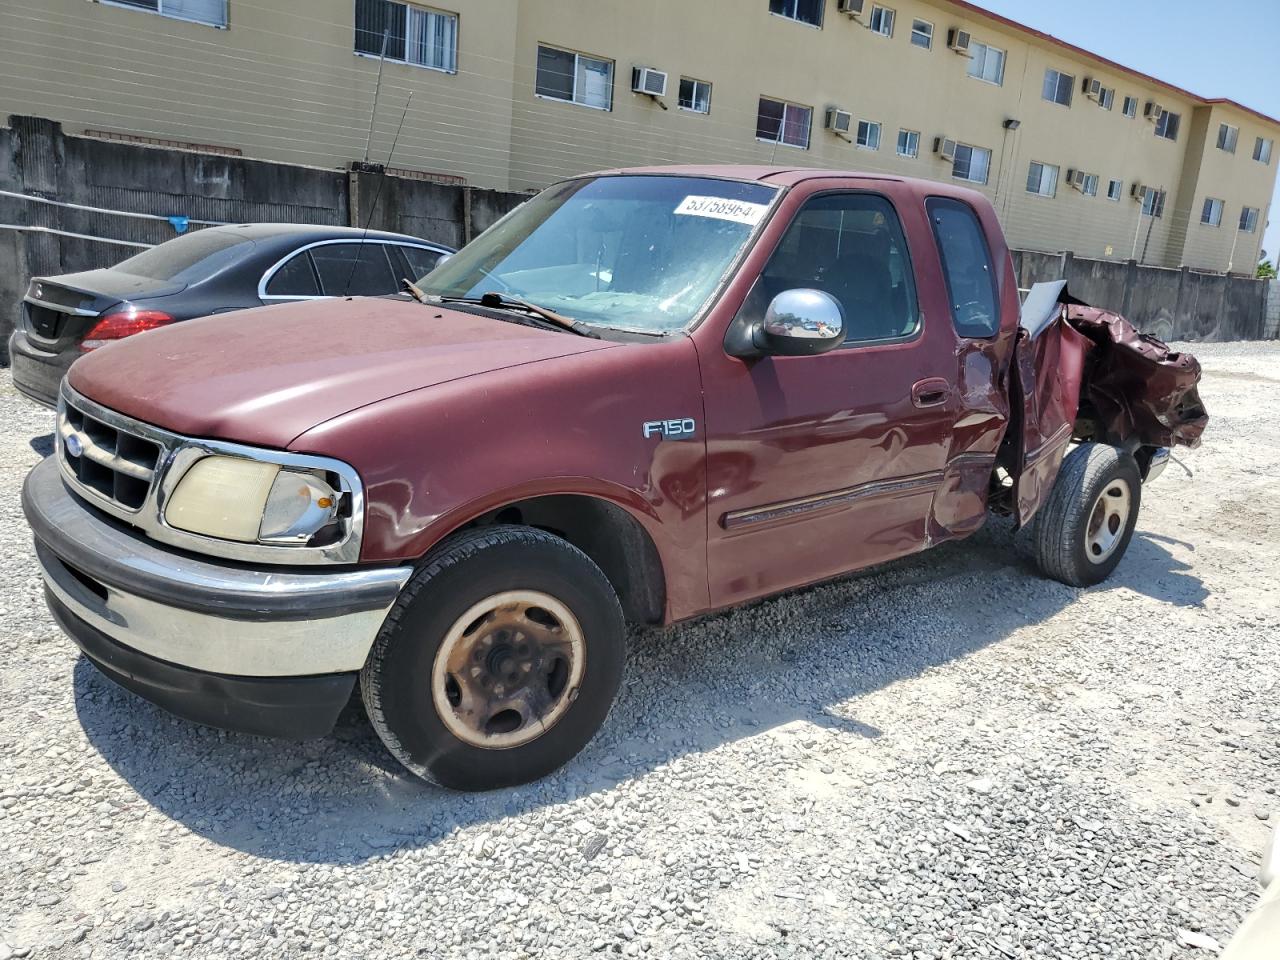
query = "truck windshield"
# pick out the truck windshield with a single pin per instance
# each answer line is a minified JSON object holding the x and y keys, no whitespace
{"x":641,"y":253}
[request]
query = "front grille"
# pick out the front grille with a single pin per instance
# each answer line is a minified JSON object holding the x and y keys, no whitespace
{"x":109,"y":460}
{"x":43,"y":321}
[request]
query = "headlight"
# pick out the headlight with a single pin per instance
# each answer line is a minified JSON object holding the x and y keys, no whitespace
{"x":252,"y":502}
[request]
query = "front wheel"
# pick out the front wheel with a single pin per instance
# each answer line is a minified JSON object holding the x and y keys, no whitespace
{"x":499,"y":661}
{"x":1085,"y":526}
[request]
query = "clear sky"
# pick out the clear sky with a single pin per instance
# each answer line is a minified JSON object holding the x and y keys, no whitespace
{"x":1226,"y":48}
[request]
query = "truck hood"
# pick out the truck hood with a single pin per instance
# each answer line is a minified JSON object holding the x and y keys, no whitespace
{"x":267,"y":375}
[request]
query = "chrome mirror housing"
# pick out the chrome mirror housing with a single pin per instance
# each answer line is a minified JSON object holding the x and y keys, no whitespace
{"x":800,"y":323}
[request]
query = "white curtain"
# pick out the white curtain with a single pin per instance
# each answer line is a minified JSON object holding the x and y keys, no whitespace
{"x":433,"y":39}
{"x":202,"y":11}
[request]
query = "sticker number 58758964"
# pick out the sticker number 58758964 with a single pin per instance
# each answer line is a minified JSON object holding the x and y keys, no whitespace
{"x":718,"y":208}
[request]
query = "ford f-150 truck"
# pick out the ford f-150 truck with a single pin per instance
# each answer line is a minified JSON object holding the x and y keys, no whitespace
{"x":641,"y":396}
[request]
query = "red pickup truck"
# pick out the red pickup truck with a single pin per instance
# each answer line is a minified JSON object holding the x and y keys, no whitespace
{"x":641,"y":396}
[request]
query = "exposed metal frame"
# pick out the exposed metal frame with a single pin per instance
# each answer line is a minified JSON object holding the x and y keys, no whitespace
{"x":275,"y":267}
{"x":178,"y":455}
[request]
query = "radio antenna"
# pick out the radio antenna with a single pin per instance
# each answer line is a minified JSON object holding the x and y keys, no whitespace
{"x":382,"y":178}
{"x":377,"y":89}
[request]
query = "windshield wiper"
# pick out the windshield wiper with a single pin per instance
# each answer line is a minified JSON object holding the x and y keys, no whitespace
{"x":502,"y":301}
{"x":414,"y":290}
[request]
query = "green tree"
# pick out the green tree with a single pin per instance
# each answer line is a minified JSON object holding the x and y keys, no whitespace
{"x":1266,"y":271}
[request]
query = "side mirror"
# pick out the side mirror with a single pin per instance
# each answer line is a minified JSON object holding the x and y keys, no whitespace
{"x":800,"y":323}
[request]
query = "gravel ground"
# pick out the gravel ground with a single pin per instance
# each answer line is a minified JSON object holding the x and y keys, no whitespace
{"x":948,"y":758}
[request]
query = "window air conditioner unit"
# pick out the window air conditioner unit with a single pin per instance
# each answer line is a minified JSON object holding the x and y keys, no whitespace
{"x":1138,"y":192}
{"x":1077,"y":178}
{"x":648,"y":81}
{"x":944,"y":147}
{"x":1092,"y":88}
{"x":839,"y":121}
{"x":958,"y":40}
{"x":853,"y":8}
{"x":1152,"y":111}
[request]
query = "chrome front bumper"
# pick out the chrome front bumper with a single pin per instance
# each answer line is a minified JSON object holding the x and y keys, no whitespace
{"x":1159,"y":460}
{"x":201,"y":614}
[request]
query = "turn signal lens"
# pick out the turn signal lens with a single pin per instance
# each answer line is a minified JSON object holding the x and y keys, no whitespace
{"x":125,"y":323}
{"x":299,"y":506}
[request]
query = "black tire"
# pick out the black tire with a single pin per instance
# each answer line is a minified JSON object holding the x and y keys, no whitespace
{"x":1062,"y":534}
{"x":397,"y":680}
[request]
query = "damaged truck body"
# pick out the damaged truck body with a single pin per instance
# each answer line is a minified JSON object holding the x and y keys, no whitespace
{"x":642,"y":396}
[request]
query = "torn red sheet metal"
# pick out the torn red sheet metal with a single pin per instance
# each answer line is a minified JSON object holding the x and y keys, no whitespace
{"x":1089,"y":374}
{"x":1139,"y":392}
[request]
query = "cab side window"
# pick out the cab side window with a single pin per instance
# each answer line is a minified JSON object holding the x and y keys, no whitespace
{"x":421,"y":261}
{"x":354,"y":269}
{"x":851,"y":246}
{"x":966,"y":266}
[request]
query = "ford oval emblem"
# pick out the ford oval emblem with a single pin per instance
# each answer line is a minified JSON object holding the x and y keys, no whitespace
{"x":74,"y":446}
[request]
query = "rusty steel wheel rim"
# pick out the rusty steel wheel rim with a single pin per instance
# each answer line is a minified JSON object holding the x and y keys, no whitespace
{"x":508,"y":669}
{"x":1107,"y":521}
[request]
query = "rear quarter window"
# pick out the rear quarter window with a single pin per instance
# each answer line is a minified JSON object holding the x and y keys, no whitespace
{"x":295,"y":278}
{"x":966,"y":267}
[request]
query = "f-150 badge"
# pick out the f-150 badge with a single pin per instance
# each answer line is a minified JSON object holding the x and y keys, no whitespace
{"x":670,"y":429}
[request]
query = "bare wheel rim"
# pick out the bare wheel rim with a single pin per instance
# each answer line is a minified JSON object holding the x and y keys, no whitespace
{"x":508,"y":669}
{"x":1107,"y":520}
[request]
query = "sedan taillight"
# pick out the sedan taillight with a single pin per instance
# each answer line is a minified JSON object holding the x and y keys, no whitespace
{"x":125,"y":323}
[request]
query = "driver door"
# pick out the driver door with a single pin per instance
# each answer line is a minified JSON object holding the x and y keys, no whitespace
{"x":822,"y":464}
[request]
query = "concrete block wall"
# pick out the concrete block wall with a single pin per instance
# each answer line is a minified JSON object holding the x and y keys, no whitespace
{"x":1170,"y":304}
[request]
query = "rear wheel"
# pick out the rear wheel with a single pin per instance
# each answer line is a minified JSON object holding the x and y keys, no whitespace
{"x":499,"y":661}
{"x":1085,"y":526}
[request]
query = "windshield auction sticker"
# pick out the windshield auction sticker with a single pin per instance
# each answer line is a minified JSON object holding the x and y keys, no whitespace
{"x":718,"y":208}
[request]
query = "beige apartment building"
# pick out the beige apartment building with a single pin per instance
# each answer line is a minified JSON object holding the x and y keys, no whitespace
{"x":1077,"y":152}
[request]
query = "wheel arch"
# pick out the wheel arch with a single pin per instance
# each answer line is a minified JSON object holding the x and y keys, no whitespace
{"x":611,"y":535}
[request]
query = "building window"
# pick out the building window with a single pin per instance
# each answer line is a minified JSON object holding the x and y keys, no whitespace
{"x":806,"y":11}
{"x":1249,"y":219}
{"x":695,"y":95}
{"x":908,"y":144}
{"x":1262,"y":150}
{"x":1058,"y":87}
{"x":1042,"y":179}
{"x":922,"y":34}
{"x":575,"y":78}
{"x":881,"y":21}
{"x":868,"y":135}
{"x":1167,"y":125}
{"x":1130,"y":107}
{"x":1228,"y":136}
{"x":1212,"y":212}
{"x":1115,"y":190}
{"x":212,"y":12}
{"x":1107,"y":97}
{"x":971,"y":163}
{"x":1152,"y":202}
{"x":788,"y":123}
{"x":987,"y":63}
{"x":1090,"y":185}
{"x":427,"y":38}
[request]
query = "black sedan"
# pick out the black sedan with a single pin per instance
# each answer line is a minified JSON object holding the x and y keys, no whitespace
{"x":209,"y":271}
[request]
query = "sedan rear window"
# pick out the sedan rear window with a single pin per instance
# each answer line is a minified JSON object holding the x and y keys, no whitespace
{"x":189,"y":258}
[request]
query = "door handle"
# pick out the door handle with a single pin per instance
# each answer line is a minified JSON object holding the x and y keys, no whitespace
{"x":930,"y":392}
